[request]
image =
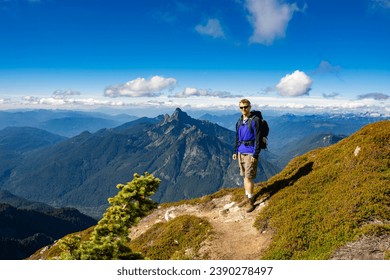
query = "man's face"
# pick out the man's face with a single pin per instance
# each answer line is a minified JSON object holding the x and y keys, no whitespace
{"x":245,"y":109}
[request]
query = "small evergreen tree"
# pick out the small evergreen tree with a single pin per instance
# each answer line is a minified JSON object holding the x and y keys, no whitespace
{"x":109,"y":240}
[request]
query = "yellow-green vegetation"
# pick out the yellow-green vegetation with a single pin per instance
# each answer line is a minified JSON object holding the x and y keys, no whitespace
{"x":177,"y":239}
{"x":329,"y":197}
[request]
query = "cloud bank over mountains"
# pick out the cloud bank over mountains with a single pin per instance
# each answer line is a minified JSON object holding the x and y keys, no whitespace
{"x":371,"y":103}
{"x":292,"y":92}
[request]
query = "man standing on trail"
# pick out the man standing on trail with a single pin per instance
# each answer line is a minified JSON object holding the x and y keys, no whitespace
{"x":247,"y":150}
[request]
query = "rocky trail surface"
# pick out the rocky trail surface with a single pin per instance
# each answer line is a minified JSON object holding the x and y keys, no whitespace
{"x":234,"y":236}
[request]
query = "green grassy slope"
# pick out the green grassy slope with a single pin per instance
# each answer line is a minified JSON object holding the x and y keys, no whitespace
{"x":171,"y":240}
{"x":330,"y":196}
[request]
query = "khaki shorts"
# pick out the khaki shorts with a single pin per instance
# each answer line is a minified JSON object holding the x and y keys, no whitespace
{"x":248,"y":169}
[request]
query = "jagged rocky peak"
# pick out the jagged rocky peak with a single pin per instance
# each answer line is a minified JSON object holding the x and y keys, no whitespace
{"x":178,"y":115}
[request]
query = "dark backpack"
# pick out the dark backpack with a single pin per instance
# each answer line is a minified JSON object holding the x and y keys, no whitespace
{"x":264,"y":128}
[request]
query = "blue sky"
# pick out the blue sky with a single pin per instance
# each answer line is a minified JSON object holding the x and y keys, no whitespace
{"x":303,"y":54}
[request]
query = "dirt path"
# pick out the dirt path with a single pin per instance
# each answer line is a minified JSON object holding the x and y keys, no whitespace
{"x":234,"y":237}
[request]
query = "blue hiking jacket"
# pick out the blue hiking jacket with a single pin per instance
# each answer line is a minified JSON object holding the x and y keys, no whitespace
{"x":247,"y":139}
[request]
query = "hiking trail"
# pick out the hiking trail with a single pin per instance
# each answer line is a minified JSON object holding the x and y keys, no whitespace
{"x":234,"y":238}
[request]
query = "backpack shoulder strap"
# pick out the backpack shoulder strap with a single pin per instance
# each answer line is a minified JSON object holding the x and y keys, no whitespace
{"x":250,"y":119}
{"x":249,"y":123}
{"x":238,"y":123}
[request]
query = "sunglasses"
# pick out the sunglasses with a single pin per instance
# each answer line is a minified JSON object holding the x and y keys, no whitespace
{"x":244,"y":107}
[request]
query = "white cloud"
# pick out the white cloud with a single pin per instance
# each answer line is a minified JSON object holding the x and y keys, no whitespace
{"x":295,"y":84}
{"x":5,"y":101}
{"x":58,"y":102}
{"x":213,"y":28}
{"x":30,"y":99}
{"x":141,"y":87}
{"x":270,"y":19}
{"x":191,"y":92}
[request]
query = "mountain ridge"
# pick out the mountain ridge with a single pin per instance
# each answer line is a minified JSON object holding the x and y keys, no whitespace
{"x":26,"y":226}
{"x":62,"y":122}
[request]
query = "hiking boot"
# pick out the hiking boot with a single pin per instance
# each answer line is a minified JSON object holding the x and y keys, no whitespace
{"x":251,"y":204}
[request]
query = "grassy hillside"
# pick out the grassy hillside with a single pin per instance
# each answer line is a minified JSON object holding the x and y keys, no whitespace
{"x":330,"y":196}
{"x":172,"y":240}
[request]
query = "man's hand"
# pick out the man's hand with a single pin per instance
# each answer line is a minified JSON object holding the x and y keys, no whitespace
{"x":234,"y":156}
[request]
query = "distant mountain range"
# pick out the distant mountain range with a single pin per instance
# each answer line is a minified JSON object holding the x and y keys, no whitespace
{"x":24,"y":139}
{"x":62,"y":122}
{"x":306,"y":144}
{"x":26,"y":226}
{"x":15,"y":142}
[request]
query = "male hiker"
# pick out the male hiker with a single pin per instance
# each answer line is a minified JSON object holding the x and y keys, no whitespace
{"x":247,"y":149}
